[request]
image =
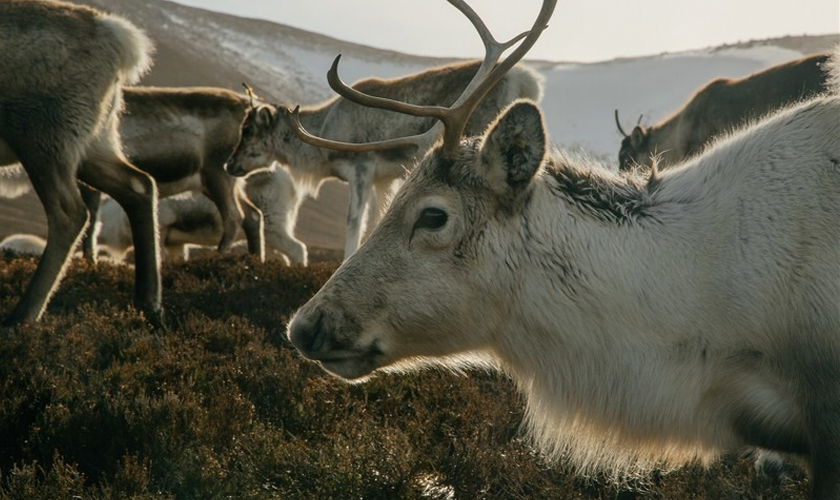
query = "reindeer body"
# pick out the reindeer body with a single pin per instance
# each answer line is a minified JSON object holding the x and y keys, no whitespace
{"x":267,"y":137}
{"x":192,"y":220}
{"x":647,"y":324}
{"x":721,"y":106}
{"x":62,"y":68}
{"x":182,"y":138}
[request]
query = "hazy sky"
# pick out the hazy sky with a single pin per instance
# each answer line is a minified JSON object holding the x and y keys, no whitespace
{"x":581,"y":30}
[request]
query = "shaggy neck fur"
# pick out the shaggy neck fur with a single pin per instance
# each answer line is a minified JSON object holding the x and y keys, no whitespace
{"x":655,"y":329}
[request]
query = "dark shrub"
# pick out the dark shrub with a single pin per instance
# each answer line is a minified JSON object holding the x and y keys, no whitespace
{"x":96,"y":404}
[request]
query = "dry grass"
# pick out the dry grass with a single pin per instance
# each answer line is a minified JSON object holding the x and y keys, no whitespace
{"x":96,"y":404}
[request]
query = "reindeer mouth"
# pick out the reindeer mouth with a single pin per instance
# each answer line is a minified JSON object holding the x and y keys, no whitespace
{"x":324,"y":336}
{"x":351,"y":364}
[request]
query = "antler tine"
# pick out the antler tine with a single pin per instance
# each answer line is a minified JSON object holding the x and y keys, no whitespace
{"x":371,"y":101}
{"x":618,"y":124}
{"x":351,"y":147}
{"x":250,"y":93}
{"x":493,"y":51}
{"x":454,"y":118}
{"x":492,"y":47}
{"x":469,"y":100}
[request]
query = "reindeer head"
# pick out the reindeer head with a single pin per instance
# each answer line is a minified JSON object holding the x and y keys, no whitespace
{"x":423,"y":277}
{"x":636,"y":147}
{"x":265,"y":137}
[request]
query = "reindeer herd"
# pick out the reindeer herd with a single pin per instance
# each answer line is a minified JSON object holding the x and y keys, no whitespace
{"x":681,"y":309}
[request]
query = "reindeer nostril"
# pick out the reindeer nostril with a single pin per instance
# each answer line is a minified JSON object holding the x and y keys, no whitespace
{"x":319,"y":334}
{"x":307,"y":333}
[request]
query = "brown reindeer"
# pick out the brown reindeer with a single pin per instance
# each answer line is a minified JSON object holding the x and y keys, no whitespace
{"x":719,"y":107}
{"x":182,"y":138}
{"x":62,"y":68}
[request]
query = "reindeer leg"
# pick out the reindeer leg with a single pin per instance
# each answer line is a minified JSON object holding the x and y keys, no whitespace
{"x":253,"y":223}
{"x":92,"y":199}
{"x":360,"y":182}
{"x":288,"y":245}
{"x":221,"y":190}
{"x":67,"y":216}
{"x":136,"y":193}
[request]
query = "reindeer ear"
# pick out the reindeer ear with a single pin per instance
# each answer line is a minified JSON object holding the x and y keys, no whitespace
{"x":515,"y":146}
{"x":638,"y":136}
{"x":265,"y":115}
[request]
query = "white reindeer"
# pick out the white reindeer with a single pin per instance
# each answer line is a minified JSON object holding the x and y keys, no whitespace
{"x":647,"y":323}
{"x":267,"y":135}
{"x":191,"y":220}
{"x":63,"y":67}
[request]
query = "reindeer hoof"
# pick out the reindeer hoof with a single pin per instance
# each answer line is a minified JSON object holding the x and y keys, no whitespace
{"x":155,"y":316}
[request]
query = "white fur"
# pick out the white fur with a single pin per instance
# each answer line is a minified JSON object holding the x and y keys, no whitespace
{"x":271,"y":190}
{"x":14,"y":182}
{"x":134,"y":47}
{"x":369,"y":177}
{"x":648,"y":325}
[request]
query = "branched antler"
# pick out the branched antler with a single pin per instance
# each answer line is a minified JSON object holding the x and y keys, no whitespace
{"x":453,"y":119}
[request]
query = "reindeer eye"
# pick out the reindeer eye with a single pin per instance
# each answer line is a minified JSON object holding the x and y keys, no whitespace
{"x":431,"y":218}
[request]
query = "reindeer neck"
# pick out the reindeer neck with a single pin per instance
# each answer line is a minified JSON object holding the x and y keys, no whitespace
{"x":589,"y":234}
{"x":623,"y":288}
{"x":299,"y":152}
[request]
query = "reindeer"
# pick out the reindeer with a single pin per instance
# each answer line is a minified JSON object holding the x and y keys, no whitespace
{"x":182,"y":138}
{"x":648,"y":323}
{"x":191,"y":220}
{"x":268,"y":136}
{"x":60,"y":98}
{"x":720,"y":106}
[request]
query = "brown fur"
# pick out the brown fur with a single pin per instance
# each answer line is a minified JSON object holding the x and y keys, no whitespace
{"x":719,"y":107}
{"x":182,"y":138}
{"x":63,"y":67}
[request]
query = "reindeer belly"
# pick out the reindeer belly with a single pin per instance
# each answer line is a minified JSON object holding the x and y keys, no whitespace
{"x":182,"y":185}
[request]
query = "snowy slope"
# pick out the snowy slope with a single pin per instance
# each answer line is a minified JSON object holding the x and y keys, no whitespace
{"x":580,"y":99}
{"x":290,"y":65}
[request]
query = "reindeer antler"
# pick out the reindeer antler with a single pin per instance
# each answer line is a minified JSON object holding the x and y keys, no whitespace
{"x":453,"y":118}
{"x":252,"y":96}
{"x":618,"y":124}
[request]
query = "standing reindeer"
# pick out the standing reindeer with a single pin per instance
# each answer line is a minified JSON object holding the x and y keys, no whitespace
{"x":268,"y":136}
{"x":647,"y":323}
{"x":182,"y":138}
{"x":192,"y":220}
{"x":63,"y":67}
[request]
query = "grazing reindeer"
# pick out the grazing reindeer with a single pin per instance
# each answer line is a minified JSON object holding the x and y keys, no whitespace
{"x":719,"y":107}
{"x":60,"y":98}
{"x":647,"y":323}
{"x":267,"y":136}
{"x":192,"y":220}
{"x":182,"y":138}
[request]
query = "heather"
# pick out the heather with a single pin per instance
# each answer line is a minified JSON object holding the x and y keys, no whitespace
{"x":98,"y":404}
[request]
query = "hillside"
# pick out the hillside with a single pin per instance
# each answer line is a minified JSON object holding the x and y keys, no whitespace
{"x":197,"y":47}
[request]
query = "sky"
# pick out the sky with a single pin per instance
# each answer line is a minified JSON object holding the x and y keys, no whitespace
{"x":580,"y":31}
